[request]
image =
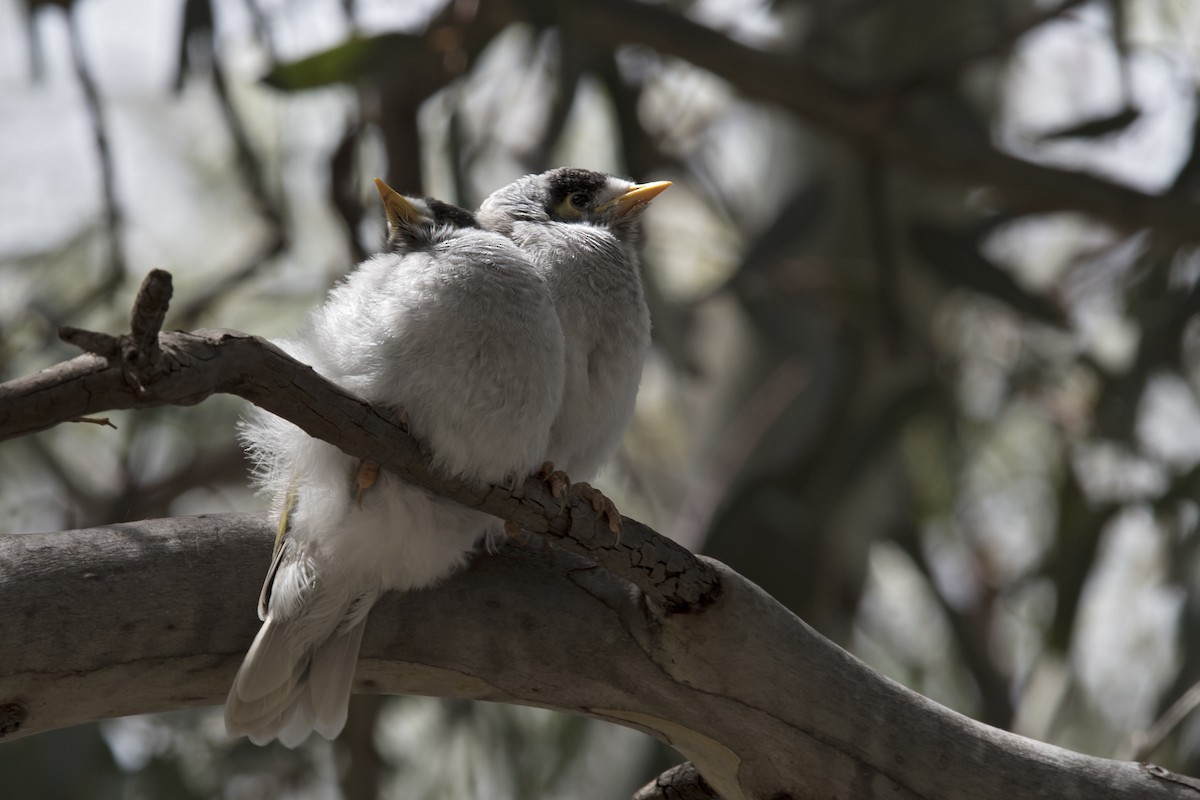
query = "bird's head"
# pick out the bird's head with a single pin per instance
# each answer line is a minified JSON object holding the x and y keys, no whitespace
{"x":417,"y":222}
{"x":571,"y":195}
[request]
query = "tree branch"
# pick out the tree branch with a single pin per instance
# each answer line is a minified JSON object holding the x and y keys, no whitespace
{"x":989,"y":42}
{"x":156,"y":615}
{"x":880,"y":125}
{"x":113,"y":227}
{"x":144,"y":371}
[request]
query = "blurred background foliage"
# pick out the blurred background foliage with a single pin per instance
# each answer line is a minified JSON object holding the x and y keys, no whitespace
{"x":912,"y":373}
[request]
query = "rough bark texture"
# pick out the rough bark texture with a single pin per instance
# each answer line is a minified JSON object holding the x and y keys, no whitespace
{"x":156,"y":615}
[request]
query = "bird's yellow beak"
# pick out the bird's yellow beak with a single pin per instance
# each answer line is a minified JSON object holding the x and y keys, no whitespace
{"x":637,"y":197}
{"x":399,"y":211}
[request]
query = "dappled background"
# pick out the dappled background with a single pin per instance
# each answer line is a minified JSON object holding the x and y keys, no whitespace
{"x":912,"y":373}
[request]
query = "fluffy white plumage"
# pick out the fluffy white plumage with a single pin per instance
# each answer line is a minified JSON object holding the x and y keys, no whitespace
{"x":454,"y":327}
{"x":580,"y":229}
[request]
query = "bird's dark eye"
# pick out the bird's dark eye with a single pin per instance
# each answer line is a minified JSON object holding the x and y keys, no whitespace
{"x":579,"y":200}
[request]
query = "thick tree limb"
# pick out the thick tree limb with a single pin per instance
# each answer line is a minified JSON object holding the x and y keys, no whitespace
{"x":156,"y":615}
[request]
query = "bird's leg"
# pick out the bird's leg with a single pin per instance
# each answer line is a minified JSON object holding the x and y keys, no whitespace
{"x":601,"y":505}
{"x":363,"y":477}
{"x":366,"y":472}
{"x":558,"y":481}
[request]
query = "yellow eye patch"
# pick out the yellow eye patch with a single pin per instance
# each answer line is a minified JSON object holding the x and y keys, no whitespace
{"x":573,"y":205}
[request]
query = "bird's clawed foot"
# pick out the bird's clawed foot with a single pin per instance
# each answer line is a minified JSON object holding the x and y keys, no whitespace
{"x":364,"y":477}
{"x":601,"y":505}
{"x":558,"y":481}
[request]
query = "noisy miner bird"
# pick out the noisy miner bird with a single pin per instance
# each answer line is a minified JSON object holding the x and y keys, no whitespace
{"x":452,"y":330}
{"x":580,"y":228}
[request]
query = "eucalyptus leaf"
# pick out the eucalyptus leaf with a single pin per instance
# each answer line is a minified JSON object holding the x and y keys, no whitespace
{"x":349,"y":62}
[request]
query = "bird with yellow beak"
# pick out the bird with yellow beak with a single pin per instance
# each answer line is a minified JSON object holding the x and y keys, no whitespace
{"x":580,"y":229}
{"x":451,"y":330}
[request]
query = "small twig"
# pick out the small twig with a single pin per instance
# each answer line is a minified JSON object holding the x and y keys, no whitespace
{"x":1146,"y":742}
{"x":115,"y":272}
{"x":344,"y":185}
{"x":150,"y":309}
{"x":100,"y":344}
{"x":190,"y":312}
{"x":992,"y":684}
{"x":141,"y":356}
{"x":250,"y":171}
{"x":246,"y":158}
{"x":736,"y":446}
{"x":460,"y":154}
{"x":571,"y":55}
{"x":103,"y":421}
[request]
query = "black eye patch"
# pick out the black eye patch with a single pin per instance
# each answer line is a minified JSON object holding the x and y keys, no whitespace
{"x":566,"y":182}
{"x":446,"y":214}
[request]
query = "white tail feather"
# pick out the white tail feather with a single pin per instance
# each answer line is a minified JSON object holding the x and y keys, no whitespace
{"x":272,"y":721}
{"x":330,"y":679}
{"x":297,"y":722}
{"x":298,"y":673}
{"x":269,"y":668}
